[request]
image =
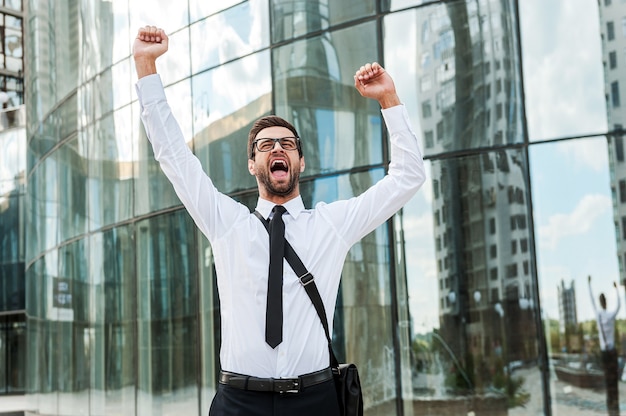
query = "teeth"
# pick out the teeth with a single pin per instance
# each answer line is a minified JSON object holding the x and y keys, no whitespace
{"x":279,"y":164}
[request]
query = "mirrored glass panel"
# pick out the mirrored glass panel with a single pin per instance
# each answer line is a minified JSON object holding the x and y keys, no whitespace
{"x":12,"y":160}
{"x":199,"y":9}
{"x":564,"y":87}
{"x":43,"y":204}
{"x":110,"y":169}
{"x":227,"y":100}
{"x":314,"y":89}
{"x":463,"y":80}
{"x":56,"y":127}
{"x":70,"y":305}
{"x":472,"y":321}
{"x":104,"y":25}
{"x":169,"y":15}
{"x":291,"y":19}
{"x":112,"y":332}
{"x":236,"y":32}
{"x":167,"y":315}
{"x":577,"y":231}
{"x":72,"y":181}
{"x":12,"y":281}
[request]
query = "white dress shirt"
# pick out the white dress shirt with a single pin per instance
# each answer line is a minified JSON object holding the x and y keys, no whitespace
{"x":240,"y":243}
{"x":606,"y":322}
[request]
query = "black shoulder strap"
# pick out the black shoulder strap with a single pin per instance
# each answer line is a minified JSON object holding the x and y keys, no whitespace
{"x":308,"y":282}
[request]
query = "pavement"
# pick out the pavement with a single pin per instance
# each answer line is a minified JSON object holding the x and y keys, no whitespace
{"x":13,"y":405}
{"x":567,"y":400}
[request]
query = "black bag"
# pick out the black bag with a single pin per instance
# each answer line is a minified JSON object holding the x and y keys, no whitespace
{"x":348,"y":387}
{"x":346,"y":376}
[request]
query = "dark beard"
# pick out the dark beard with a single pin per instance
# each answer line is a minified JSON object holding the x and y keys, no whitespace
{"x":282,"y":190}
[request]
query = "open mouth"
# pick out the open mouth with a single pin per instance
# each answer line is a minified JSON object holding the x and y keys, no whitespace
{"x":279,"y":168}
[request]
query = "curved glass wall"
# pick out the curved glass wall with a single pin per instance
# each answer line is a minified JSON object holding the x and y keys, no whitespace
{"x":463,"y":302}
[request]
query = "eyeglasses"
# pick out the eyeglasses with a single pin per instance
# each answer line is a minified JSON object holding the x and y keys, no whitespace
{"x":266,"y":145}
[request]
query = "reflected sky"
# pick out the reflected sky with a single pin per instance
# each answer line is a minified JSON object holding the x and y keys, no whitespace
{"x":573,"y":223}
{"x":562,"y":63}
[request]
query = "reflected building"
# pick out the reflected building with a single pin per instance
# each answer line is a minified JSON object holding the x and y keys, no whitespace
{"x":613,"y":34}
{"x":12,"y":201}
{"x":470,"y":102}
{"x":567,"y":307}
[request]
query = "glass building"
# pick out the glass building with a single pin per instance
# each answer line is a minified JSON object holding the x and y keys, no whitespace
{"x":452,"y":307}
{"x":12,"y":200}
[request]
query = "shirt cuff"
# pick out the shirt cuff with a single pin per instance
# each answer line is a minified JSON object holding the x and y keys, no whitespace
{"x":396,"y":118}
{"x":150,"y":89}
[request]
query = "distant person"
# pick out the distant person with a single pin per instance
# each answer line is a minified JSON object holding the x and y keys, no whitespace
{"x":606,"y":328}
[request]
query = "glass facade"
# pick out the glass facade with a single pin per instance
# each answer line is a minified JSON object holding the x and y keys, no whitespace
{"x":472,"y":298}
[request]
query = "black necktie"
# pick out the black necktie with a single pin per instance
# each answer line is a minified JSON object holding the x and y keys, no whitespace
{"x":274,"y":311}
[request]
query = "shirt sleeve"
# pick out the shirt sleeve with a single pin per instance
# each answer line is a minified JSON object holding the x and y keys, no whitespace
{"x":356,"y":217}
{"x":213,"y":212}
{"x":593,"y":299}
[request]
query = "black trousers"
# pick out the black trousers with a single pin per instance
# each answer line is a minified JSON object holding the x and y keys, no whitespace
{"x":317,"y":400}
{"x":611,"y":378}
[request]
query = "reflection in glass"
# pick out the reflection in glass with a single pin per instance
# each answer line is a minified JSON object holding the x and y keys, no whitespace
{"x":227,"y":101}
{"x":199,"y":9}
{"x":314,"y":89}
{"x":295,"y":18}
{"x":72,"y":191}
{"x":167,"y":314}
{"x":110,"y":169}
{"x":576,"y":237}
{"x":467,"y":84}
{"x":484,"y":338}
{"x":112,"y":331}
{"x":236,"y":32}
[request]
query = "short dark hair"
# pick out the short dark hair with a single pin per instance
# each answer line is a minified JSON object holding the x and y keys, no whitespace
{"x":265,"y":122}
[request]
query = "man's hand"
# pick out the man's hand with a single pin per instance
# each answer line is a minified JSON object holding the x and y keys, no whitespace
{"x":150,"y":43}
{"x":372,"y":81}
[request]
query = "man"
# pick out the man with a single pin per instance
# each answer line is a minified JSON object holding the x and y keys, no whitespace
{"x":606,"y":330}
{"x":278,"y":367}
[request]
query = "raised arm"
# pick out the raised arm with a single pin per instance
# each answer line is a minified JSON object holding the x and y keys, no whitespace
{"x":150,"y":43}
{"x":372,"y":81}
{"x":619,"y":303}
{"x":593,"y":300}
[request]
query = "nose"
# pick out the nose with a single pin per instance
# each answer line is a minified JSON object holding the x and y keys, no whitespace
{"x":277,"y":143}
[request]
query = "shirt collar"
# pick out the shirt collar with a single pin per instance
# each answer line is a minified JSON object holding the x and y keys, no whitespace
{"x":294,"y":206}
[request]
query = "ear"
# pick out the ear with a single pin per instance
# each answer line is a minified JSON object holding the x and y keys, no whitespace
{"x":302,"y":164}
{"x":251,"y":167}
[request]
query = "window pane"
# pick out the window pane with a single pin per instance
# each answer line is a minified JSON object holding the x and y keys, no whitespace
{"x":112,"y":335}
{"x":567,"y":97}
{"x":472,"y":320}
{"x":314,"y":89}
{"x":167,"y":366}
{"x":236,"y":32}
{"x":575,"y":238}
{"x":461,"y":105}
{"x":110,"y":169}
{"x":291,"y":18}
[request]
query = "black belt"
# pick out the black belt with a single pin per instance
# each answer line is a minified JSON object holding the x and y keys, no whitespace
{"x":277,"y":385}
